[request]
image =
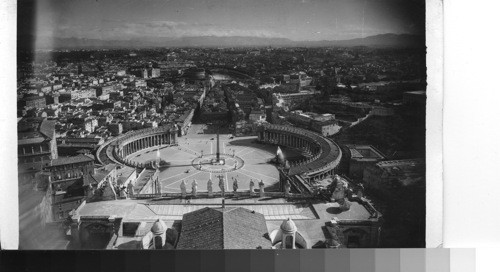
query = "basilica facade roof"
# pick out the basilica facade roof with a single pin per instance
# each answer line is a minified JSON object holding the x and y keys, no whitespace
{"x":223,"y":228}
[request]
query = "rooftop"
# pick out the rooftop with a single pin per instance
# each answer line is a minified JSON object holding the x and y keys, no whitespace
{"x":401,"y":163}
{"x":218,"y":228}
{"x":243,"y":222}
{"x":36,"y":127}
{"x":364,"y":152}
{"x":403,"y":167}
{"x":34,"y":140}
{"x":416,"y":92}
{"x":70,"y":160}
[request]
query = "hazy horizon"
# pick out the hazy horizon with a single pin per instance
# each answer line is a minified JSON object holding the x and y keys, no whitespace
{"x":300,"y":20}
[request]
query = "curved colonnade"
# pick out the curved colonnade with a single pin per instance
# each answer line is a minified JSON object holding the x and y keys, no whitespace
{"x":117,"y":149}
{"x":323,"y":154}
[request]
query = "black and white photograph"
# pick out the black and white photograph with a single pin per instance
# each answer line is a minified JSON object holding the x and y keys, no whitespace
{"x":222,"y":124}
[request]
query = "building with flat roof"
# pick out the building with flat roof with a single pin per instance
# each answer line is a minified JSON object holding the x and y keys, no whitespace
{"x":386,"y":177}
{"x":257,"y":116}
{"x":362,"y":156}
{"x":70,"y":146}
{"x":324,"y":124}
{"x":287,"y":99}
{"x":83,"y":93}
{"x":38,"y":102}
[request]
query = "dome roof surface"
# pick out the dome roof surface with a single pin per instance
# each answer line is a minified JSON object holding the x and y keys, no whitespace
{"x":288,"y":226}
{"x":159,"y":227}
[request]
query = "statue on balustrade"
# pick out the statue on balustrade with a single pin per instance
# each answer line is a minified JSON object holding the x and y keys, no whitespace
{"x":194,"y":187}
{"x":261,"y":188}
{"x":209,"y":188}
{"x":287,"y":188}
{"x":235,"y":185}
{"x":221,"y":185}
{"x":339,"y":192}
{"x":183,"y":189}
{"x":130,"y":190}
{"x":252,"y":185}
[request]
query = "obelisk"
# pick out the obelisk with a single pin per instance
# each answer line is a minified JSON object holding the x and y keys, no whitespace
{"x":218,"y":152}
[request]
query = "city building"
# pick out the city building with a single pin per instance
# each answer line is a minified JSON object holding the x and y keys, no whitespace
{"x":184,"y":122}
{"x":115,"y":128}
{"x":38,"y":102}
{"x":90,"y":124}
{"x":36,"y":148}
{"x":257,"y":116}
{"x":362,"y":156}
{"x":83,"y":93}
{"x":36,"y":144}
{"x":325,"y":124}
{"x":386,"y":177}
{"x":287,"y":99}
{"x":153,"y":72}
{"x":69,"y":183}
{"x":71,"y":146}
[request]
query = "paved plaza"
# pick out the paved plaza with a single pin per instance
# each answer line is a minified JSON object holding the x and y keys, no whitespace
{"x":244,"y":160}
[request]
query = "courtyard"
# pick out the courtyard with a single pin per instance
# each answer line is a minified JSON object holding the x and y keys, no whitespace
{"x":242,"y":159}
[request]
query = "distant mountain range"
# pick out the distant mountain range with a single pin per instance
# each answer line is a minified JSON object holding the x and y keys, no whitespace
{"x":383,"y":40}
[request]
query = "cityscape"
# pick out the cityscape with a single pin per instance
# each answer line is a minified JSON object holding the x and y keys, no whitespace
{"x":165,"y":138}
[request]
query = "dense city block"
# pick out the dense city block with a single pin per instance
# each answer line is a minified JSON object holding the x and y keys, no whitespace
{"x":189,"y":148}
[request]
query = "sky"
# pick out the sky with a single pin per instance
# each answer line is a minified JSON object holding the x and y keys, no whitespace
{"x":298,"y":20}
